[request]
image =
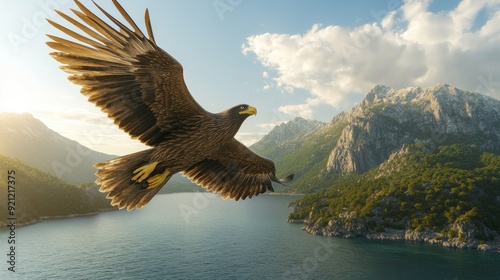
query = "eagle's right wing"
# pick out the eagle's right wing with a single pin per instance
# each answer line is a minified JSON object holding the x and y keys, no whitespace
{"x":126,"y":75}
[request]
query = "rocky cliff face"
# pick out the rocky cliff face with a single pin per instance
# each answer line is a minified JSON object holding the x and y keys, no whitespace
{"x":387,"y":119}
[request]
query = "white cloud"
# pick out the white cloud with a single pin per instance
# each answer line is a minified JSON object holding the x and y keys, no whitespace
{"x":410,"y":46}
{"x":303,"y":110}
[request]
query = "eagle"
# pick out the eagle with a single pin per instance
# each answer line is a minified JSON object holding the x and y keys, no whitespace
{"x":142,"y":89}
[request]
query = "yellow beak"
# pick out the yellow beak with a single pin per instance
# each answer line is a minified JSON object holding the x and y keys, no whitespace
{"x":249,"y":111}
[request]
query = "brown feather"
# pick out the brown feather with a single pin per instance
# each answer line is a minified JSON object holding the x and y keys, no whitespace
{"x":148,"y":26}
{"x":126,"y":17}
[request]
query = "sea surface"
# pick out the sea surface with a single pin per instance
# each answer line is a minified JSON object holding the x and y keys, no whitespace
{"x":200,"y":236}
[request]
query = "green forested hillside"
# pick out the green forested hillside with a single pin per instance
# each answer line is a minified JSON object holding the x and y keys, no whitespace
{"x":417,"y":190}
{"x":39,"y":194}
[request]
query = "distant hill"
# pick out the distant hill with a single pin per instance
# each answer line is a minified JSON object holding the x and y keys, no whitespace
{"x":282,"y":138}
{"x":387,"y":119}
{"x":30,"y":140}
{"x":41,"y":195}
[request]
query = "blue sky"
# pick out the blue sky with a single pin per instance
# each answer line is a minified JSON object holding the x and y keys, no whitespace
{"x":287,"y":58}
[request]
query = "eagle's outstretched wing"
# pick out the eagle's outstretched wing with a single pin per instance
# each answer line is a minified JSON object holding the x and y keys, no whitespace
{"x":235,"y":173}
{"x":137,"y":84}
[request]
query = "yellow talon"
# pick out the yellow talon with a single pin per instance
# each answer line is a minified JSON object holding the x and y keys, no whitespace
{"x":141,"y":173}
{"x":157,"y":179}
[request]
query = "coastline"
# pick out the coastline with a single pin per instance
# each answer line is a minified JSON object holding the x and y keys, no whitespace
{"x":336,"y":229}
{"x":289,"y":194}
{"x":44,"y":218}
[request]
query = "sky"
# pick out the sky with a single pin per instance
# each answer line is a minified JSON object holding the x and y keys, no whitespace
{"x":288,"y":58}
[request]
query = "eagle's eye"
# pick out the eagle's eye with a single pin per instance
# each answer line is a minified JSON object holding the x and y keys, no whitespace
{"x":242,"y":107}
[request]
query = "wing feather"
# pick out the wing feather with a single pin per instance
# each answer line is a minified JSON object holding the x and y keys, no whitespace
{"x":137,"y":84}
{"x":148,"y":26}
{"x":125,"y":16}
{"x":235,"y":172}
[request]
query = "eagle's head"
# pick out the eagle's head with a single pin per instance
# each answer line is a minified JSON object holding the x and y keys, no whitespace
{"x":241,"y":111}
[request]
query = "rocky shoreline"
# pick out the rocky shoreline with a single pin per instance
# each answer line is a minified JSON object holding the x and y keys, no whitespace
{"x":464,"y":239}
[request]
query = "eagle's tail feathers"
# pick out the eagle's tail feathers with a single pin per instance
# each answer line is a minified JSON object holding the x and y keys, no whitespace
{"x":116,"y":178}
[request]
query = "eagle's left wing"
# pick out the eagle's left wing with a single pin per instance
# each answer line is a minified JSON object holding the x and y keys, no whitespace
{"x":235,"y":173}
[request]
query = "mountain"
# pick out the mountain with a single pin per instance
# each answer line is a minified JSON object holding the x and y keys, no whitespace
{"x":282,"y":138}
{"x":387,"y":119}
{"x":418,"y":164}
{"x":381,"y":124}
{"x":30,"y":140}
{"x":40,"y":195}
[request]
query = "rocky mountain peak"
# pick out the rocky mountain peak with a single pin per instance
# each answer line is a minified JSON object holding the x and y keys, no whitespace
{"x":387,"y":119}
{"x":376,"y":95}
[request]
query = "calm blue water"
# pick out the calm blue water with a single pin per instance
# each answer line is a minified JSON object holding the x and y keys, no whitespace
{"x":200,"y":236}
